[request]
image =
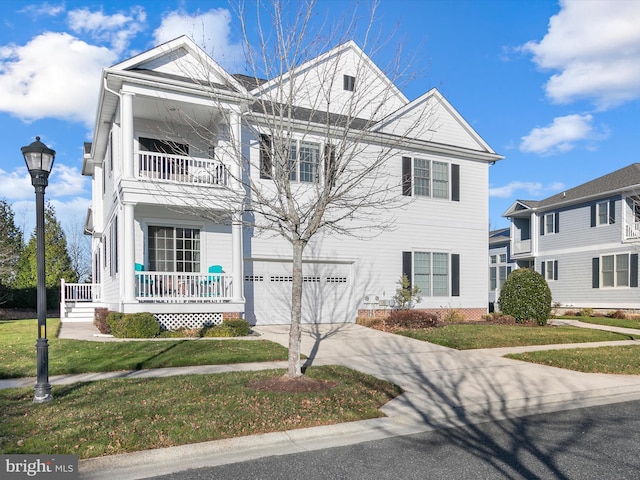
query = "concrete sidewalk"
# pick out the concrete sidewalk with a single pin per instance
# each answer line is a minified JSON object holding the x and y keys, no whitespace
{"x":443,"y":388}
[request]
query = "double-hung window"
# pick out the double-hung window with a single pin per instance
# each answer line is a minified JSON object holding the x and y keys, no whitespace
{"x":603,"y":213}
{"x":174,"y":249}
{"x":431,"y":273}
{"x":304,"y":161}
{"x":615,"y":270}
{"x":430,"y":178}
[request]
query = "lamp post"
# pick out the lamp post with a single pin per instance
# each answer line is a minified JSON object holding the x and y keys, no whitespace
{"x":39,"y":159}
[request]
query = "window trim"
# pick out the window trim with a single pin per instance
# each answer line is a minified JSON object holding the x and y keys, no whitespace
{"x":175,"y":249}
{"x":412,"y":184}
{"x":615,"y":272}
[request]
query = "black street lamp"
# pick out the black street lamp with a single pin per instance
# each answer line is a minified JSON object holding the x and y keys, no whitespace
{"x":39,"y":159}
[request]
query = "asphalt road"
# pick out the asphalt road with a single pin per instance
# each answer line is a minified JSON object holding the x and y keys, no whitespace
{"x":591,"y":443}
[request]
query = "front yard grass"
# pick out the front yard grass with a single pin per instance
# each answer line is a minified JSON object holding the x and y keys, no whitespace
{"x":623,"y":359}
{"x":126,"y":415}
{"x":17,"y":352}
{"x":466,"y":337}
{"x":611,"y":322}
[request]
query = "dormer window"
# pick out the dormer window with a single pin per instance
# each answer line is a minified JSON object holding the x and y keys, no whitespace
{"x":349,"y":83}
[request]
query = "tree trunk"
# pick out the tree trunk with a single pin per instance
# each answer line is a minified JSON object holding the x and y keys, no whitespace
{"x":294,"y":366}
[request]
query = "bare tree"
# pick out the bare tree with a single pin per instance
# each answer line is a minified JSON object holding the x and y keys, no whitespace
{"x":292,"y":189}
{"x":79,"y":248}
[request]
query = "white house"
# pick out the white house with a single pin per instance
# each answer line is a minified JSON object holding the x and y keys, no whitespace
{"x":585,"y":241}
{"x":157,"y":249}
{"x":500,"y":263}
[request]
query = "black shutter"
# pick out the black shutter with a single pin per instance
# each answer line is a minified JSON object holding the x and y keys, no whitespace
{"x":407,"y":262}
{"x":555,"y":269}
{"x":265,"y":156}
{"x":509,"y":271}
{"x":612,"y":211}
{"x":633,"y":270}
{"x":406,"y":176}
{"x":455,"y":182}
{"x":542,"y":269}
{"x":593,"y":215}
{"x":455,"y":275}
{"x":556,"y":226}
{"x":595,"y":272}
{"x":541,"y":217}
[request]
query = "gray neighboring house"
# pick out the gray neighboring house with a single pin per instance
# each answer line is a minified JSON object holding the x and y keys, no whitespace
{"x":500,"y":263}
{"x":585,"y":241}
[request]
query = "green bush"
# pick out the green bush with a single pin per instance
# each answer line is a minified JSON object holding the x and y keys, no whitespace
{"x":133,"y":325}
{"x":525,"y":295}
{"x":232,"y":327}
{"x":140,"y":325}
{"x":585,"y":312}
{"x":115,"y":322}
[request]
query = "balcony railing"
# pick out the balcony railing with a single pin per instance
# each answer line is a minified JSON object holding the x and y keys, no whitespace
{"x":183,"y":287}
{"x":79,"y":292}
{"x":522,"y":246}
{"x":176,"y":168}
{"x":632,"y":231}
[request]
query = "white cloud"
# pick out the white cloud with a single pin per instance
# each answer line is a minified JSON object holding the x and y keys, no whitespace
{"x":54,"y":75}
{"x":66,"y":181}
{"x":595,"y":47}
{"x":117,"y":29}
{"x":43,"y":9}
{"x":211,"y":30}
{"x":16,"y":185}
{"x":530,"y":189}
{"x":560,"y":136}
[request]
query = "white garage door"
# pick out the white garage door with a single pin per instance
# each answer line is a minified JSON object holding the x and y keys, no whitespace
{"x":326,"y":293}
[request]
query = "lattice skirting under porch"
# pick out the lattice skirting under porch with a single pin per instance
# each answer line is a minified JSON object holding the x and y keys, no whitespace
{"x":174,"y":321}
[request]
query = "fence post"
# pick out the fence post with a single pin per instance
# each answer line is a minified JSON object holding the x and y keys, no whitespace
{"x":63,"y":310}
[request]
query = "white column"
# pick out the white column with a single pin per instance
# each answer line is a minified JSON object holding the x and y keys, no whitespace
{"x":128,"y":257}
{"x":126,"y":122}
{"x":236,"y":225}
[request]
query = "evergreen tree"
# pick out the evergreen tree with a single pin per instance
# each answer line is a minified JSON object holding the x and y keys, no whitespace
{"x":57,"y":260}
{"x":11,"y":247}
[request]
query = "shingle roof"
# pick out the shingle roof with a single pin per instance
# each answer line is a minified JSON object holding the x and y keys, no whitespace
{"x":249,"y":82}
{"x":628,"y":176}
{"x":502,"y":235}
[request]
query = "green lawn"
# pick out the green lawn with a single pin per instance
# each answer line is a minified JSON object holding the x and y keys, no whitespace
{"x":612,"y":322}
{"x":465,"y":337}
{"x":17,"y":352}
{"x":623,"y":359}
{"x":126,"y":415}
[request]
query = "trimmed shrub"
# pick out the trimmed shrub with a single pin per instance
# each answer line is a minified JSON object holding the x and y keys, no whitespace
{"x":410,"y":319}
{"x":525,"y":295}
{"x":100,"y":320}
{"x":585,"y":312}
{"x":140,"y":325}
{"x":232,"y":327}
{"x":453,"y":315}
{"x":370,"y":322}
{"x":619,"y":314}
{"x":115,"y":322}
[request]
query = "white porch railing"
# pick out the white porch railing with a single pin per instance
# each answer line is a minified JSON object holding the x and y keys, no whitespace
{"x":632,"y":231}
{"x":79,"y":292}
{"x":522,"y":246}
{"x":180,"y":169}
{"x":183,"y":287}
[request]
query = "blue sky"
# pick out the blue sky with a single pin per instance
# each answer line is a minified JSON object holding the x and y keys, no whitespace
{"x":551,"y":85}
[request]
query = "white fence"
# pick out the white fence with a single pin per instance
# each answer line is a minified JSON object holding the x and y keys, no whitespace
{"x":177,"y":168}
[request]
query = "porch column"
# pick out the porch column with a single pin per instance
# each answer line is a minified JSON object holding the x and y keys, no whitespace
{"x":128,"y":270}
{"x":236,"y":221}
{"x":126,"y":122}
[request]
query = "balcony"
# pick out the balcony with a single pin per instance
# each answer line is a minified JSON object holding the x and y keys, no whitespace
{"x":157,"y":166}
{"x":171,"y":287}
{"x":632,"y":231}
{"x":521,"y":246}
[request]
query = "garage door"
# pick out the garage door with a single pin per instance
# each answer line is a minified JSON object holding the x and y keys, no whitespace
{"x":326,"y":293}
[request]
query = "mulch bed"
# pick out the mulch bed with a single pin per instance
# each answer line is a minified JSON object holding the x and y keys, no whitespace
{"x":23,"y":313}
{"x":285,"y":384}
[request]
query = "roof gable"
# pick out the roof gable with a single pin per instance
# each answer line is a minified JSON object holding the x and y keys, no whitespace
{"x":432,"y":118}
{"x":318,"y":85}
{"x":180,"y":59}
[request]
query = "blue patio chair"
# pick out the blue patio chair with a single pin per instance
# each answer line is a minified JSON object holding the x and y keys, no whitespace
{"x":215,"y":279}
{"x":145,"y":280}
